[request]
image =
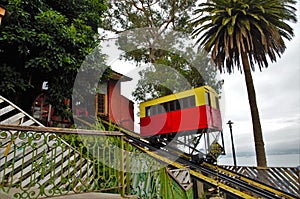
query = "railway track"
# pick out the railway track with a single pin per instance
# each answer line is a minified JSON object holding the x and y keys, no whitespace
{"x":227,"y":181}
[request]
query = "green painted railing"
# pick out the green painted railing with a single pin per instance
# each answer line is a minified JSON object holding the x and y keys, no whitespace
{"x":38,"y":162}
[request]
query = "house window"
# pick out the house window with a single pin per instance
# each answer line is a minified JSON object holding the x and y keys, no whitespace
{"x":101,"y":104}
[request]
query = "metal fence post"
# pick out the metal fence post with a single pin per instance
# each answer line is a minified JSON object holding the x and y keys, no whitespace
{"x":122,"y":168}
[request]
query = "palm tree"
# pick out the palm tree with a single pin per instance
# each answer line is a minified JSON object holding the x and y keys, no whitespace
{"x":250,"y":32}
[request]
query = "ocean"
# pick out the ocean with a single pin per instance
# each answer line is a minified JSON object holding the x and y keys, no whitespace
{"x":278,"y":160}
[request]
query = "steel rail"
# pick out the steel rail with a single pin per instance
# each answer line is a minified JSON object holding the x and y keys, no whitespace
{"x":240,"y":183}
{"x":198,"y":171}
{"x":226,"y":176}
{"x":202,"y":172}
{"x":198,"y":175}
{"x":251,"y":181}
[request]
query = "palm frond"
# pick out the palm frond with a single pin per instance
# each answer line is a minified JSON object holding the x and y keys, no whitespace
{"x":227,"y":28}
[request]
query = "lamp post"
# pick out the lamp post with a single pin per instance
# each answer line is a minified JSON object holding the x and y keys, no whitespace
{"x":232,"y":144}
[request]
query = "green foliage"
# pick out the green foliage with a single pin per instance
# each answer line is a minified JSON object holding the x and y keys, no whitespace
{"x":99,"y":125}
{"x":158,"y":40}
{"x":229,"y":28}
{"x":3,"y":2}
{"x":173,"y":73}
{"x":11,"y":81}
{"x":249,"y":31}
{"x":46,"y":40}
{"x":127,"y":15}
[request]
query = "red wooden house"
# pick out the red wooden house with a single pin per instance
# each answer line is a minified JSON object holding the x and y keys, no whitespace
{"x":109,"y":104}
{"x":112,"y":105}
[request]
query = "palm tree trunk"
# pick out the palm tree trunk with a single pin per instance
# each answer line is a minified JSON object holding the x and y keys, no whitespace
{"x":258,"y":138}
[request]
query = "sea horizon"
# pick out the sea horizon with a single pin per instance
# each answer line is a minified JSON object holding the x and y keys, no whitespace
{"x":273,"y":160}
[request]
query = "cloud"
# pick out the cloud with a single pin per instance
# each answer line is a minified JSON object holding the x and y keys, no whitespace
{"x":283,"y":139}
{"x":278,"y":98}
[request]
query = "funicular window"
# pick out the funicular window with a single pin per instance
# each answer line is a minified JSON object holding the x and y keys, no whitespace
{"x":188,"y":102}
{"x":176,"y":105}
{"x":159,"y":109}
{"x":191,"y":101}
{"x":184,"y":103}
{"x":148,"y":111}
{"x":166,"y":106}
{"x":170,"y":106}
{"x":207,"y":98}
{"x":153,"y":110}
{"x":217,"y":103}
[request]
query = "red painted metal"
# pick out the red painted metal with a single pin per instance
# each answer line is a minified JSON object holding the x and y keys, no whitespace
{"x":199,"y":117}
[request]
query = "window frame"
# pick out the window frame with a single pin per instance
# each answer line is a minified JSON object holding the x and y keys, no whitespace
{"x":207,"y":98}
{"x":103,"y":105}
{"x":170,"y":106}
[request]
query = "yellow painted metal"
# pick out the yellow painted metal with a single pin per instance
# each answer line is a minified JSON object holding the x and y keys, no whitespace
{"x":171,"y":188}
{"x":198,"y":92}
{"x":200,"y":95}
{"x":212,"y":181}
{"x":120,"y":129}
{"x":255,"y":183}
{"x":199,"y":175}
{"x":8,"y":148}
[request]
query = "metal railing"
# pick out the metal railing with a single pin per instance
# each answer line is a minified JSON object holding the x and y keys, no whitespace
{"x":38,"y":162}
{"x":283,"y":178}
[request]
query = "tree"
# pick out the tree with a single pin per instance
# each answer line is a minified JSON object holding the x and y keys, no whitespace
{"x":46,"y":40}
{"x":250,"y":31}
{"x":158,"y":41}
{"x":192,"y":70}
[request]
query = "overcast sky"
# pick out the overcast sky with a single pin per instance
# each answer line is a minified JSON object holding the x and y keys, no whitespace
{"x":278,"y":98}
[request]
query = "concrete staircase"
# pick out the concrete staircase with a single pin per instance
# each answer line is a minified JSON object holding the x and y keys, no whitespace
{"x":22,"y":153}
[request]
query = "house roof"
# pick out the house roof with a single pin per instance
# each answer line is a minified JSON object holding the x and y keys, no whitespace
{"x":119,"y":76}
